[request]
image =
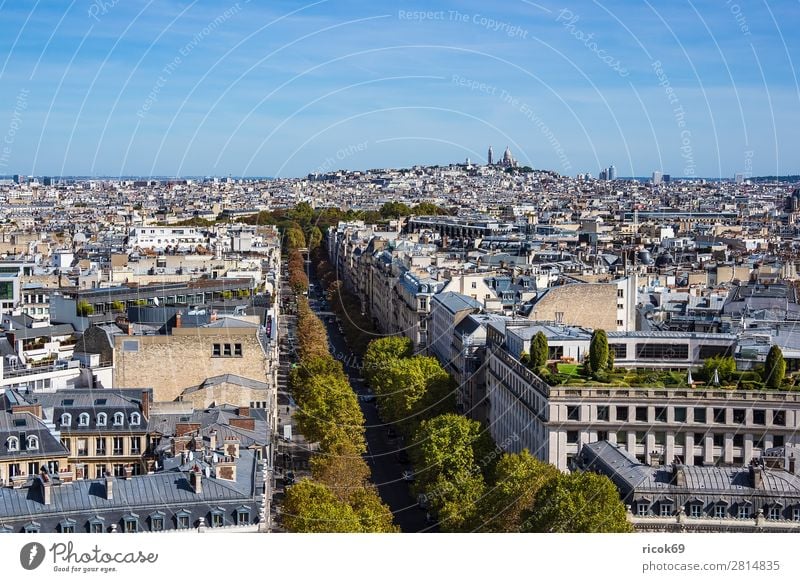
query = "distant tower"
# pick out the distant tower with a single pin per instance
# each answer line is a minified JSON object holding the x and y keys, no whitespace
{"x":612,"y":172}
{"x":489,"y":157}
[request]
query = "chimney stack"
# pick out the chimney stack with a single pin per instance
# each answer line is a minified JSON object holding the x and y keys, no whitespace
{"x":212,"y":438}
{"x":109,"y":487}
{"x":243,"y":411}
{"x":128,"y":471}
{"x":47,"y":490}
{"x":196,"y":480}
{"x":178,"y":322}
{"x":757,"y":476}
{"x":146,"y":404}
{"x":231,"y":447}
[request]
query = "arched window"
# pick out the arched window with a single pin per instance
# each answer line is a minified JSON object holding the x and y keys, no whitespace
{"x":102,"y":419}
{"x":12,"y":443}
{"x":119,"y":418}
{"x":66,"y":419}
{"x":33,"y":443}
{"x":136,"y":419}
{"x":83,"y":419}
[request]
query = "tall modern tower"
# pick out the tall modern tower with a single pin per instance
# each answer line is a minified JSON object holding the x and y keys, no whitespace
{"x":489,"y":156}
{"x":612,"y":172}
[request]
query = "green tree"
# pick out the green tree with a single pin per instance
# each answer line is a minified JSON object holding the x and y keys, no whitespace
{"x":314,"y":238}
{"x":302,"y":213}
{"x":330,"y":415}
{"x":374,"y":515}
{"x":410,"y":386}
{"x":539,"y":351}
{"x":84,"y":308}
{"x":118,"y":306}
{"x":725,"y":366}
{"x":518,"y":477}
{"x":774,"y":368}
{"x":428,"y":209}
{"x":395,"y":210}
{"x":448,"y":473}
{"x":598,"y":351}
{"x":380,"y":351}
{"x":311,"y":507}
{"x":344,"y":472}
{"x":577,"y":503}
{"x":295,"y":239}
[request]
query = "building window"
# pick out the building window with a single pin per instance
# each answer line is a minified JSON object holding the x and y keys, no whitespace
{"x":12,"y":444}
{"x":602,"y":413}
{"x":183,"y":520}
{"x":83,"y":419}
{"x":102,"y":419}
{"x":719,"y":439}
{"x":743,"y":512}
{"x":641,"y":414}
{"x":759,"y":416}
{"x":119,"y":470}
{"x":217,"y":519}
{"x":83,"y":447}
{"x":226,"y":350}
{"x":99,"y":471}
{"x":620,"y":323}
{"x":665,"y":509}
{"x":652,"y":351}
{"x":119,"y":419}
{"x":118,"y":445}
{"x":680,"y":413}
{"x":65,"y":442}
{"x":777,"y":440}
{"x":642,"y":508}
{"x":795,"y":513}
{"x":66,"y":419}
{"x":602,"y":435}
{"x":719,"y":511}
{"x":738,"y":440}
{"x":237,"y":350}
{"x":738,"y":415}
{"x":96,"y":526}
{"x":573,"y":412}
{"x":719,"y":415}
{"x":572,"y":437}
{"x":130,"y":345}
{"x":131,"y":524}
{"x":779,"y":417}
{"x":157,"y":522}
{"x":700,"y":415}
{"x":661,"y":414}
{"x":136,"y":444}
{"x":774,"y":512}
{"x":622,"y":413}
{"x":33,"y":468}
{"x":695,"y":510}
{"x":32,"y":443}
{"x":136,"y":419}
{"x":620,"y":351}
{"x":67,"y":526}
{"x":32,"y":527}
{"x":242,"y":516}
{"x":216,"y":350}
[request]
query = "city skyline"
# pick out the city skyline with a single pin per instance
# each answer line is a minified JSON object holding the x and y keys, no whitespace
{"x":197,"y":88}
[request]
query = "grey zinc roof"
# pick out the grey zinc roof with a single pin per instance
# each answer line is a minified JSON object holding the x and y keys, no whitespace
{"x":166,"y":490}
{"x":17,"y":424}
{"x":47,"y":331}
{"x":455,"y":302}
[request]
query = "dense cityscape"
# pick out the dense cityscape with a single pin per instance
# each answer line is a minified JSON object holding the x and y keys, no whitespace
{"x":471,"y":347}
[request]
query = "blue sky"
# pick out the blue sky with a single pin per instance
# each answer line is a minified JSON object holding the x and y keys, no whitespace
{"x":279,"y":88}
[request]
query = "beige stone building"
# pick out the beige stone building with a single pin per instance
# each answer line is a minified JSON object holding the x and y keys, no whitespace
{"x":171,"y":363}
{"x":227,"y":389}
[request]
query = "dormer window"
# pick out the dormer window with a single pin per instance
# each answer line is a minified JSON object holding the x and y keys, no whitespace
{"x":66,"y":419}
{"x":12,"y":444}
{"x":83,"y":419}
{"x":102,"y":419}
{"x":32,"y":443}
{"x":119,"y":418}
{"x":136,"y":419}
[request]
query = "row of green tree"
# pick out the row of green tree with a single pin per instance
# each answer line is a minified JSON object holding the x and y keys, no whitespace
{"x":463,"y":477}
{"x":340,"y":496}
